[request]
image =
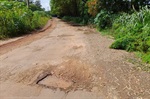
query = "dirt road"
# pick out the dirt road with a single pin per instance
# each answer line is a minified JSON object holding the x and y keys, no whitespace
{"x":69,"y":62}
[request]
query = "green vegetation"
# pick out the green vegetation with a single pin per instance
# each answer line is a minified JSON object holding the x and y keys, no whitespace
{"x":73,"y":10}
{"x":132,"y":33}
{"x":128,"y":21}
{"x":16,"y":19}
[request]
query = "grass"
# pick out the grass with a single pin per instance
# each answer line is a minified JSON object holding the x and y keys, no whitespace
{"x":16,"y":19}
{"x":132,"y":33}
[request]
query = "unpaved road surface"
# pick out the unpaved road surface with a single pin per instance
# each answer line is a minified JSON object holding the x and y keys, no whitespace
{"x":69,"y":62}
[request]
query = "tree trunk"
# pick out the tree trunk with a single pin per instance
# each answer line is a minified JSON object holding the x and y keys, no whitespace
{"x":27,"y":1}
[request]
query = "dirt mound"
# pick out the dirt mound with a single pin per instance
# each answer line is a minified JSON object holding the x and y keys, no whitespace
{"x":73,"y":70}
{"x":70,"y":75}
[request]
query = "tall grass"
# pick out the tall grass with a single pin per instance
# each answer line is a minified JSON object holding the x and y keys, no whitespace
{"x":132,"y":33}
{"x":16,"y":19}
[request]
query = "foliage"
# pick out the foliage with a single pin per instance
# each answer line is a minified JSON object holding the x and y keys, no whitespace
{"x":122,"y":5}
{"x":16,"y":19}
{"x":33,"y":7}
{"x":92,"y":7}
{"x":65,"y":7}
{"x":103,"y":19}
{"x":39,"y":19}
{"x":38,"y":3}
{"x":132,"y":32}
{"x":77,"y":20}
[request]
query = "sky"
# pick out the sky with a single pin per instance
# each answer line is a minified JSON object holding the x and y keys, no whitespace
{"x":45,"y":4}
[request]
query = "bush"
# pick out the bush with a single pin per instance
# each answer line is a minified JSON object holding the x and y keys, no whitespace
{"x":39,"y":19}
{"x":79,"y":20}
{"x":104,"y":19}
{"x":16,"y":19}
{"x":126,"y":43}
{"x":132,"y":32}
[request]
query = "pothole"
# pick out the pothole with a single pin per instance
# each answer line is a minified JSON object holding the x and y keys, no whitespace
{"x":51,"y":81}
{"x":64,"y":35}
{"x":87,"y":31}
{"x":69,"y":75}
{"x":77,"y":47}
{"x":72,"y":74}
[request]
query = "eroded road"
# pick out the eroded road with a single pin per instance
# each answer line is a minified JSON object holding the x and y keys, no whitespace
{"x":69,"y":62}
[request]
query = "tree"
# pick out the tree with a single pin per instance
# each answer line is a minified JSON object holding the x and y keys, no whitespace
{"x":67,"y":7}
{"x":81,"y":7}
{"x":38,"y":3}
{"x":36,"y":6}
{"x":136,"y":4}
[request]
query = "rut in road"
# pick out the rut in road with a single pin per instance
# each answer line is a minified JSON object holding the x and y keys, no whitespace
{"x":69,"y":61}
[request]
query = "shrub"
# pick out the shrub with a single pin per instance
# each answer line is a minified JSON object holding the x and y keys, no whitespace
{"x":104,"y":19}
{"x":39,"y":19}
{"x":16,"y":19}
{"x":132,"y":32}
{"x":78,"y":20}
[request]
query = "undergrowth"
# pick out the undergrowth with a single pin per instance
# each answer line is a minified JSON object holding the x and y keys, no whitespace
{"x":79,"y":20}
{"x":132,"y":33}
{"x":16,"y":19}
